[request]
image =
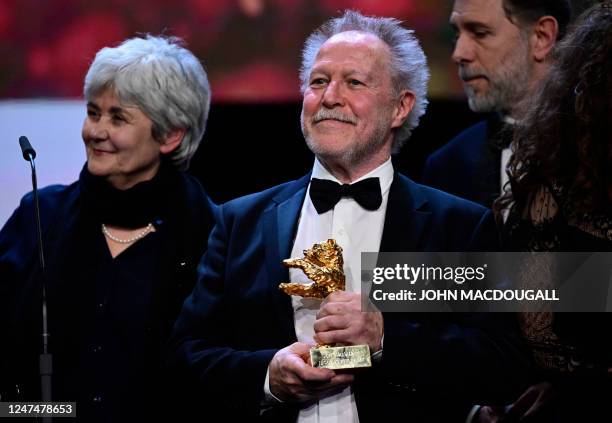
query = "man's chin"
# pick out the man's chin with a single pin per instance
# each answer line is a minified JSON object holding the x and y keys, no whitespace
{"x":330,"y":152}
{"x":481,"y":104}
{"x":328,"y":143}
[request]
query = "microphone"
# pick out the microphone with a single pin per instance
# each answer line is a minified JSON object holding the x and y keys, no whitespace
{"x":26,"y":148}
{"x":45,"y":359}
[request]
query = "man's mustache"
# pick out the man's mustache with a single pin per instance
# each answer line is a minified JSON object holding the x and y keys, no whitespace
{"x":469,"y":73}
{"x":325,"y":114}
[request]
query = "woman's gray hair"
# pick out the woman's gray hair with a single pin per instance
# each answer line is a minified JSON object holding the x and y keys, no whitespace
{"x":408,"y":62}
{"x":164,"y":80}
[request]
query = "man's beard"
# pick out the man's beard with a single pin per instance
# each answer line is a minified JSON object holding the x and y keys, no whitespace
{"x":506,"y":86}
{"x":361,"y":149}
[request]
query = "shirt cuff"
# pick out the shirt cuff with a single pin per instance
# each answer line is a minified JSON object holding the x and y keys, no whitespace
{"x":377,"y":356}
{"x":269,"y":397}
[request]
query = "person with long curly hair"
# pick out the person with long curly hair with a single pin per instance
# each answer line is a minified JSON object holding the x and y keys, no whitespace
{"x":560,"y":174}
{"x":559,"y":198}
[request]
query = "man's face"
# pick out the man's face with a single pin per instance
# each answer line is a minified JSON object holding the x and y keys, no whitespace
{"x":348,"y":106}
{"x":492,"y":53}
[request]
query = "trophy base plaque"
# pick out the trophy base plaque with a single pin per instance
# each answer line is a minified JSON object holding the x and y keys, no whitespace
{"x":347,"y":357}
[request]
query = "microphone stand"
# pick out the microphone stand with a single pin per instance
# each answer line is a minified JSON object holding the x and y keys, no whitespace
{"x":45,"y":359}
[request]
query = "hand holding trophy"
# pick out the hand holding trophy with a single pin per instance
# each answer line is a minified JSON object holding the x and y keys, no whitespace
{"x":323,"y":264}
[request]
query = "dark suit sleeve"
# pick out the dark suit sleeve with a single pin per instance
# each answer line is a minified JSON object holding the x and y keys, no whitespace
{"x":442,"y":167}
{"x":9,"y":240}
{"x":459,"y":355}
{"x":226,"y":377}
{"x":16,"y":241}
{"x":17,"y":248}
{"x":478,"y":356}
{"x":9,"y":252}
{"x":431,"y":173}
{"x":486,"y":236}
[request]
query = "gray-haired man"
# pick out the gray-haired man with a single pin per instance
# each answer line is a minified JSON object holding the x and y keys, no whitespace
{"x":364,"y":84}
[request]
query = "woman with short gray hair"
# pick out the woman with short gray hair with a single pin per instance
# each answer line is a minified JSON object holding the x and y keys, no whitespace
{"x":122,"y":243}
{"x":162,"y":79}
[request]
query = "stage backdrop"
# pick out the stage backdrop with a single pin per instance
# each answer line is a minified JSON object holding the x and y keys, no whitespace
{"x":251,"y":50}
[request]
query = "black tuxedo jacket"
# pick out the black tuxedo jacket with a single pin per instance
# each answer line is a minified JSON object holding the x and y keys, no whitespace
{"x":236,"y":318}
{"x":469,"y":165}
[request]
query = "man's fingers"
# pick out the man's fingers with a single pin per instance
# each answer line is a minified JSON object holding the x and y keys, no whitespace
{"x":332,"y":309}
{"x":332,"y":322}
{"x":342,"y":379}
{"x":532,"y":400}
{"x":288,"y":371}
{"x":307,"y":373}
{"x":545,"y":396}
{"x":341,"y":336}
{"x":299,"y":348}
{"x":517,"y":409}
{"x":491,"y":414}
{"x":340,"y":297}
{"x":339,"y":381}
{"x":293,"y":379}
{"x":297,"y":364}
{"x":340,"y":302}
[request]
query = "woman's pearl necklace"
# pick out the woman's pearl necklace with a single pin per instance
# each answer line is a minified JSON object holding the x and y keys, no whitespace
{"x":135,"y":238}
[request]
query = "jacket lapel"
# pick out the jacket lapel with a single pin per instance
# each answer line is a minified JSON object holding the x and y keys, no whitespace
{"x":280,"y":222}
{"x":406,"y":219}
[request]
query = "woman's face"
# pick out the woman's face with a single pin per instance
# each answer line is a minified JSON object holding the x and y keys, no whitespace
{"x":119,"y":143}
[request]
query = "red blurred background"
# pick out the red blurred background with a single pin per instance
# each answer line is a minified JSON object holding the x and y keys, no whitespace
{"x":250,"y":48}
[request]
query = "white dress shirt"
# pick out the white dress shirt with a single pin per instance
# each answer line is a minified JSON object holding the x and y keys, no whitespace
{"x":505,"y":158}
{"x":356,"y":230}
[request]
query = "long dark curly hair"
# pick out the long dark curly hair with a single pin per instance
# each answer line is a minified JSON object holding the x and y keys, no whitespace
{"x":564,"y":136}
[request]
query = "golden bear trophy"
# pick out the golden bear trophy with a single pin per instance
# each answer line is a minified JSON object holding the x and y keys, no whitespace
{"x":323,"y":264}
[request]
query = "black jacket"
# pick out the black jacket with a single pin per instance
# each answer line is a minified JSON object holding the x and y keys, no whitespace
{"x":186,"y":228}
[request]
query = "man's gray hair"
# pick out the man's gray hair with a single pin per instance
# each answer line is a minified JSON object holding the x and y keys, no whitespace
{"x":164,"y":80}
{"x":408,"y":62}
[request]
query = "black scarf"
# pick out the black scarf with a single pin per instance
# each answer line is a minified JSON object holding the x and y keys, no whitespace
{"x":144,"y":203}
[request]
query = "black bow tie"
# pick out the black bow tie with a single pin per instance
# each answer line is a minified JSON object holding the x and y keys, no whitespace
{"x":326,"y":194}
